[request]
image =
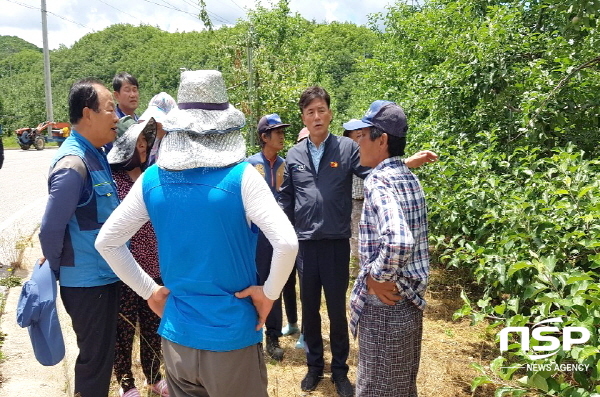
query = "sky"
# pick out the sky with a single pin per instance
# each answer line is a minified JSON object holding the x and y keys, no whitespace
{"x":69,"y":20}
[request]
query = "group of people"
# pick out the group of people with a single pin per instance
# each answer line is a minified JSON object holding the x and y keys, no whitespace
{"x":175,"y":184}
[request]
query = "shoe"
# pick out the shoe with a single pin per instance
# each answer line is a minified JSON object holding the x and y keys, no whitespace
{"x":300,"y":342}
{"x":343,"y":386}
{"x":290,"y":329}
{"x":310,"y":381}
{"x":160,"y":388}
{"x":273,"y":349}
{"x":130,"y":393}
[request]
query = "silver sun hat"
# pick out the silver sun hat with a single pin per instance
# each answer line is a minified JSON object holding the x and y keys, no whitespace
{"x":204,"y":129}
{"x":202,"y":105}
{"x":128,"y":131}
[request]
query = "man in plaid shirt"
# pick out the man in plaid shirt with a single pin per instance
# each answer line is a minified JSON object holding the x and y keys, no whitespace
{"x":387,"y":300}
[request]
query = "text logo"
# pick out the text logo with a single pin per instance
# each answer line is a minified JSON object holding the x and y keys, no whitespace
{"x":570,"y":336}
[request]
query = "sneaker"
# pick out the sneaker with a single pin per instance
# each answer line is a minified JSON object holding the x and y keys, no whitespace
{"x":310,"y":381}
{"x":343,"y":386}
{"x":130,"y":393}
{"x":273,"y":349}
{"x":300,"y":342}
{"x":290,"y":329}
{"x":160,"y":388}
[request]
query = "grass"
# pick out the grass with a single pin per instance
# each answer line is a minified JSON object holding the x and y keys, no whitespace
{"x":449,"y":349}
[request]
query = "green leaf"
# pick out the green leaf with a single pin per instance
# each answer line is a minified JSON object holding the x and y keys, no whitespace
{"x":478,"y":381}
{"x":518,"y":266}
{"x":538,"y":381}
{"x":586,"y":352}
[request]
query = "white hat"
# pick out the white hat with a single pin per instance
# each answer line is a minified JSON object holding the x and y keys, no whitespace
{"x":128,"y":130}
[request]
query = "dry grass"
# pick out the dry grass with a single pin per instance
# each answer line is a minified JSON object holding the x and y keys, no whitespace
{"x":449,"y":348}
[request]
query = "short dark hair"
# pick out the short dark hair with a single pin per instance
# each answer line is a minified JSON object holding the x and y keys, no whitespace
{"x":121,"y":78}
{"x":396,"y":145}
{"x":83,"y":94}
{"x":312,"y":93}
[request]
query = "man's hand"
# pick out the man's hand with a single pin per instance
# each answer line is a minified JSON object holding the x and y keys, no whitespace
{"x":420,"y":158}
{"x":386,"y":291}
{"x":158,"y":299}
{"x":262,"y":304}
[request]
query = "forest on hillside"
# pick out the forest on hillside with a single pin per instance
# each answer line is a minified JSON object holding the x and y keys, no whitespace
{"x":507,"y":92}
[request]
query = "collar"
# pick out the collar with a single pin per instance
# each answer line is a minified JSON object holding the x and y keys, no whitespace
{"x":121,"y":113}
{"x":322,"y":143}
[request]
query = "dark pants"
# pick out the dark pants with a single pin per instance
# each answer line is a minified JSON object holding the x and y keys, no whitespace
{"x":93,"y":312}
{"x":325,"y":264}
{"x":264,"y":255}
{"x":133,"y":310}
{"x":289,"y":298}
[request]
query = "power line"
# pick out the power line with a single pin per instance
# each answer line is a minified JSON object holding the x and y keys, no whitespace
{"x":237,"y":5}
{"x":50,"y":12}
{"x":68,"y":20}
{"x":25,"y":5}
{"x":216,"y":16}
{"x":126,"y":13}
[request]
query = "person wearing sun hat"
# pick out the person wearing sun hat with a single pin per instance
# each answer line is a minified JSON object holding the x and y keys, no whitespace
{"x":387,"y":300}
{"x":128,"y":159}
{"x":205,"y":204}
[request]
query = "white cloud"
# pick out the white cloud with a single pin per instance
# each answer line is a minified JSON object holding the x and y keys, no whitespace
{"x":69,"y":20}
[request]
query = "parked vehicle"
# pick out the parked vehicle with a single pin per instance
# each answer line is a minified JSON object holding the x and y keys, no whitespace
{"x":38,"y":136}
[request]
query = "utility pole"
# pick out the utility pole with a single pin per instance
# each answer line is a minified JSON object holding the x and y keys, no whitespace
{"x":47,"y":82}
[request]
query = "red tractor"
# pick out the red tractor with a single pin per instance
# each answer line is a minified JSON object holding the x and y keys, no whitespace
{"x":38,"y":136}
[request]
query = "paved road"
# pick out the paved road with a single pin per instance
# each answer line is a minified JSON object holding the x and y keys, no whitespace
{"x":23,"y":192}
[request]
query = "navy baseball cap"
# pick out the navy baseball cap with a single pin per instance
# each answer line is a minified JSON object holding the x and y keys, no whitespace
{"x":388,"y":117}
{"x":270,"y":122}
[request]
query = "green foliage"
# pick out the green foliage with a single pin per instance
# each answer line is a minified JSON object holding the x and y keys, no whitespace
{"x":507,"y":92}
{"x":11,"y":45}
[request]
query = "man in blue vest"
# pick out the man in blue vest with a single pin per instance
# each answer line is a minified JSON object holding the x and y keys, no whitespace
{"x":82,"y":195}
{"x":205,"y":204}
{"x":269,"y":164}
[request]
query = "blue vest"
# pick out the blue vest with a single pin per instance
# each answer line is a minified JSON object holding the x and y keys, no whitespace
{"x":206,"y":252}
{"x":89,"y":268}
{"x":273,"y":175}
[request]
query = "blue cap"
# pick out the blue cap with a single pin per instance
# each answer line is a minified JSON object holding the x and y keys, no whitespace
{"x":36,"y":310}
{"x":354,"y":124}
{"x":388,"y":117}
{"x":270,"y":122}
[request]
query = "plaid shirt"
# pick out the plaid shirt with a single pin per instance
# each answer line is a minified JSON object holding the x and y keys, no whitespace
{"x":392,"y":236}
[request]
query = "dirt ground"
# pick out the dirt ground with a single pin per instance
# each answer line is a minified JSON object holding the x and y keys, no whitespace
{"x":449,"y":348}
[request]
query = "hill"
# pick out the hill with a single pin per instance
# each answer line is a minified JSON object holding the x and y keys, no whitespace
{"x":12,"y":44}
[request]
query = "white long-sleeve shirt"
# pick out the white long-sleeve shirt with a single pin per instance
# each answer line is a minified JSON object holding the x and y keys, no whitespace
{"x":261,"y":209}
